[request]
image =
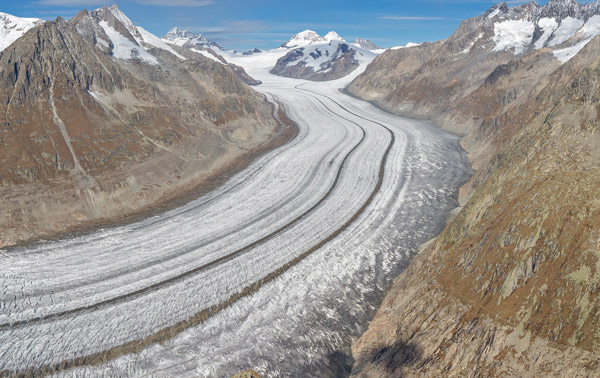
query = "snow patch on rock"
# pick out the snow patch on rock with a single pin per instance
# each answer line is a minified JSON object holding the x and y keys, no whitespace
{"x":125,"y":49}
{"x":409,"y":44}
{"x":588,"y":31}
{"x":206,"y":54}
{"x":153,"y":40}
{"x":514,"y":35}
{"x":568,"y":27}
{"x":548,"y":26}
{"x":13,"y":28}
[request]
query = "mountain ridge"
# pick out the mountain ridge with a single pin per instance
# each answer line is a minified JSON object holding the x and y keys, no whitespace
{"x":508,"y":288}
{"x":95,"y":133}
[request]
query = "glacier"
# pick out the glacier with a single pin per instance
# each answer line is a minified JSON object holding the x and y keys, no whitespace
{"x":279,"y":269}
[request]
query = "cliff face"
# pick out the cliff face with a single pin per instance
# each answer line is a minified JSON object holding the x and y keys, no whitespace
{"x":510,"y":286}
{"x":90,"y":134}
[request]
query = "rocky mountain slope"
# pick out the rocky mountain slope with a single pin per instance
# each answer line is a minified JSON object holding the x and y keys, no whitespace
{"x":509,"y":287}
{"x":185,"y":41}
{"x":103,"y":120}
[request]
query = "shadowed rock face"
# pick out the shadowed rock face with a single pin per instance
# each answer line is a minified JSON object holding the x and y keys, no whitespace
{"x":510,"y":286}
{"x":88,"y":136}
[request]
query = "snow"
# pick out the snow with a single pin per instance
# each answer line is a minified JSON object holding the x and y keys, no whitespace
{"x":409,"y":44}
{"x":95,"y":95}
{"x":548,"y":26}
{"x":513,"y":35}
{"x":256,"y":63}
{"x":13,"y":28}
{"x":333,"y":36}
{"x":179,"y":41}
{"x":102,"y":44}
{"x":206,"y":54}
{"x":119,"y":15}
{"x":125,"y":49}
{"x":564,"y":55}
{"x":320,"y":181}
{"x":180,"y":37}
{"x":140,"y":34}
{"x":153,"y":40}
{"x":591,"y":27}
{"x":588,"y":32}
{"x":567,"y":28}
{"x":470,"y":45}
{"x":319,"y":55}
{"x":303,"y":38}
{"x":494,"y":13}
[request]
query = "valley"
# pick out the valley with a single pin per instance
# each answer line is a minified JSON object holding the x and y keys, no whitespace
{"x":172,"y":207}
{"x":329,"y":201}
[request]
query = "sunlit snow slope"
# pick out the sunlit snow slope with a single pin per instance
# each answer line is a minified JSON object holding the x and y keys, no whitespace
{"x":300,"y":246}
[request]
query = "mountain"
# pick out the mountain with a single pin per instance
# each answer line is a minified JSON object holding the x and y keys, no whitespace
{"x":319,"y":58}
{"x":509,"y":287}
{"x":302,"y":39}
{"x":333,"y":36}
{"x":103,"y":121}
{"x":365,"y":44}
{"x":185,"y":38}
{"x":471,"y":54}
{"x":13,"y":28}
{"x":186,"y":42}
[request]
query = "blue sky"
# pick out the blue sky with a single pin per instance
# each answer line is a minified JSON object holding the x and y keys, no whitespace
{"x":243,"y":25}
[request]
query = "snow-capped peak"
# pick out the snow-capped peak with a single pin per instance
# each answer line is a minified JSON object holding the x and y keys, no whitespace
{"x":129,"y":42}
{"x":333,"y":36}
{"x":114,"y":9}
{"x":176,"y":34}
{"x":185,"y":38}
{"x":303,"y":38}
{"x":365,"y":44}
{"x":12,"y":28}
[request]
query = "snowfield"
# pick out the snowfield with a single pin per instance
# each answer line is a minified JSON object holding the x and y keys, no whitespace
{"x":314,"y":232}
{"x":513,"y":35}
{"x":13,"y":28}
